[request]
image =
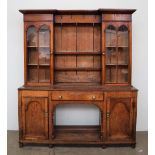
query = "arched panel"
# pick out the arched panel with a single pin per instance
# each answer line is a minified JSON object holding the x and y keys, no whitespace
{"x":122,"y":121}
{"x":119,"y":120}
{"x":34,"y":105}
{"x":35,"y":119}
{"x":31,"y":36}
{"x":123,"y":36}
{"x":111,"y":39}
{"x":44,"y":36}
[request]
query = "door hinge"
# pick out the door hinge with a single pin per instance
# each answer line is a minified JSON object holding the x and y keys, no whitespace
{"x":108,"y":114}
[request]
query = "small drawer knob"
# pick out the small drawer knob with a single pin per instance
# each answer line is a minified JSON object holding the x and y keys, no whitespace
{"x":93,"y":97}
{"x":60,"y":97}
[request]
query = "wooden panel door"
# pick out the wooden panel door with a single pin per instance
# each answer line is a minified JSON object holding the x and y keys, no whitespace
{"x":38,"y":48}
{"x":35,"y":118}
{"x":117,"y":53}
{"x":120,"y":117}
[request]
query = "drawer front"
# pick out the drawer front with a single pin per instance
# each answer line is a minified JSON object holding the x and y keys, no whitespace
{"x":75,"y":95}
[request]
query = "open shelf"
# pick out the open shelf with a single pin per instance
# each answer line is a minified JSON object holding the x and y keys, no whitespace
{"x":32,"y":64}
{"x":39,"y":65}
{"x":116,"y":64}
{"x":78,"y":69}
{"x":75,"y":134}
{"x":117,"y":46}
{"x":77,"y":53}
{"x":44,"y":46}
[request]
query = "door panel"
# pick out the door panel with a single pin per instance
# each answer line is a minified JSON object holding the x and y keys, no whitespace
{"x":117,"y":51}
{"x":119,"y":118}
{"x":35,"y":118}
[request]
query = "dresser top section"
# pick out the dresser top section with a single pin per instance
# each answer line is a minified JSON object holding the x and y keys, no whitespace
{"x":99,"y":11}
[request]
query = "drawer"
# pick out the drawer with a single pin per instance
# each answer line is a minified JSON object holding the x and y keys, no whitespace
{"x":77,"y":96}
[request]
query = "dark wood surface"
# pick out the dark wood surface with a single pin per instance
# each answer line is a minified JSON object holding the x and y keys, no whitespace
{"x":77,"y":86}
{"x":122,"y":11}
{"x":77,"y":57}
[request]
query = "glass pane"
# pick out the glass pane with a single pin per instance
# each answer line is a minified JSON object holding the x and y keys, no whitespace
{"x":44,"y":45}
{"x":111,"y":74}
{"x":32,"y":74}
{"x":123,"y":56}
{"x":122,"y":74}
{"x":44,"y":74}
{"x":44,"y":36}
{"x":31,"y":36}
{"x":32,"y":55}
{"x":44,"y":56}
{"x":123,"y":36}
{"x":111,"y":38}
{"x":111,"y":55}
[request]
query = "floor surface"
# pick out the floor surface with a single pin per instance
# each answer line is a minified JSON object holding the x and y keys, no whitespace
{"x":13,"y":148}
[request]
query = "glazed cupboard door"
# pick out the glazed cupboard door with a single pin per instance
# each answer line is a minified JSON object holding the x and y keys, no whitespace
{"x":37,"y":53}
{"x":117,"y":53}
{"x":35,"y":118}
{"x":120,"y":117}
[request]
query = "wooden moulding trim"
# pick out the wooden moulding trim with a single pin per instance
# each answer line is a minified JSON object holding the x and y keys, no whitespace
{"x":54,"y":11}
{"x":116,"y":17}
{"x":38,"y":17}
{"x":77,"y":19}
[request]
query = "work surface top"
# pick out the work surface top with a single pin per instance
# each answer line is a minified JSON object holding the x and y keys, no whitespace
{"x":80,"y":87}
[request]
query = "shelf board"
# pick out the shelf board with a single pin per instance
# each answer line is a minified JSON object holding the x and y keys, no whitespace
{"x":32,"y":64}
{"x":38,"y":46}
{"x":44,"y":64}
{"x":116,"y":64}
{"x":44,"y":46}
{"x":111,"y":46}
{"x":123,"y":46}
{"x":77,"y":53}
{"x":117,"y":46}
{"x":38,"y":64}
{"x":75,"y":134}
{"x":78,"y":69}
{"x":32,"y":46}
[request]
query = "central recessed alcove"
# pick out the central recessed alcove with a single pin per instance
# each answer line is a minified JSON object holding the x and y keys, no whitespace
{"x":77,"y":114}
{"x":77,"y":121}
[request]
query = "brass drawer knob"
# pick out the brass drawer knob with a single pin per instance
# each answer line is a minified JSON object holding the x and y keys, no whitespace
{"x":93,"y":97}
{"x":60,"y":97}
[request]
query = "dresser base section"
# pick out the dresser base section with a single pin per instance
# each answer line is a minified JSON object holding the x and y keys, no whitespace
{"x":76,"y":136}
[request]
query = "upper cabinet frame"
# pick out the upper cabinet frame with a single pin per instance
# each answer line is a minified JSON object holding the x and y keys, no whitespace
{"x":109,"y":65}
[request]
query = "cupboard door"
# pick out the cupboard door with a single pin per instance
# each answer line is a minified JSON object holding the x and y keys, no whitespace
{"x":38,"y":48}
{"x":35,"y":118}
{"x":120,"y":118}
{"x":117,"y":53}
